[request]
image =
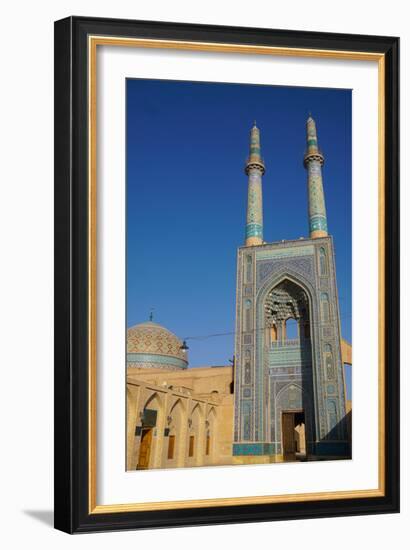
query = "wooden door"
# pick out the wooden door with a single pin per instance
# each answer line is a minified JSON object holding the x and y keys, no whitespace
{"x":145,"y":449}
{"x":191,"y":445}
{"x":208,"y":445}
{"x":171,"y":447}
{"x":288,"y":435}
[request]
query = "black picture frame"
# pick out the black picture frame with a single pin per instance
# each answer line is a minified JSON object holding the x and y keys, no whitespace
{"x":72,"y":467}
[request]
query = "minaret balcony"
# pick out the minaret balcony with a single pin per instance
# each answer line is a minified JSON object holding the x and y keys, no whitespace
{"x":313,"y":155}
{"x":255,"y":163}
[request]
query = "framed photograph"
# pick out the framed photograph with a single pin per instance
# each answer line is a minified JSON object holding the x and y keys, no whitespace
{"x":226,"y":274}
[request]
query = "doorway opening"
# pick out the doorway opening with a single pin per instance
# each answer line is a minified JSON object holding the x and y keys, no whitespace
{"x":293,"y":435}
{"x":145,"y":449}
{"x":149,"y":422}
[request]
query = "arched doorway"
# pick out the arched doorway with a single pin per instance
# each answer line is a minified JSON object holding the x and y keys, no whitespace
{"x":195,"y":429}
{"x":294,"y":422}
{"x":175,"y":435}
{"x":289,"y":367}
{"x":149,"y":421}
{"x":294,"y":435}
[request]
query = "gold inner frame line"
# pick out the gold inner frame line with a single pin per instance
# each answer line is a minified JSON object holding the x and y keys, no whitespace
{"x":93,"y":43}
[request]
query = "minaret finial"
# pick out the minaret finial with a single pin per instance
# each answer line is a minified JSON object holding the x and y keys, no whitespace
{"x":254,"y":169}
{"x":313,"y":162}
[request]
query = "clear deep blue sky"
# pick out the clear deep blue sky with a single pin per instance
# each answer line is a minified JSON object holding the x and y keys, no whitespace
{"x":187,"y":191}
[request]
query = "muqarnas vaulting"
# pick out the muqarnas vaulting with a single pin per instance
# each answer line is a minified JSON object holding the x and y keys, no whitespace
{"x":285,"y":397}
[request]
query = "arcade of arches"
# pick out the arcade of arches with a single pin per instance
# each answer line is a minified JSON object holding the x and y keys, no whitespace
{"x":179,"y":418}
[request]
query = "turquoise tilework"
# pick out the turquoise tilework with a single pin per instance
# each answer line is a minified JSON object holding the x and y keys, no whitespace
{"x":148,"y":358}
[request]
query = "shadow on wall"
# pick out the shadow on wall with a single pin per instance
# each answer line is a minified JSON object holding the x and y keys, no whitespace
{"x":332,"y":439}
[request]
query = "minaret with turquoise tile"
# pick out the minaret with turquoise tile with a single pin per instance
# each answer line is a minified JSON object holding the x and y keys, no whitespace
{"x":313,"y":162}
{"x":254,"y":169}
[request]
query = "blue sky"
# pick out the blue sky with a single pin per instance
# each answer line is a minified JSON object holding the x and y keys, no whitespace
{"x":187,"y":191}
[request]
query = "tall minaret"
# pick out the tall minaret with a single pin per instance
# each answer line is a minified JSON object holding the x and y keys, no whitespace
{"x":254,"y":169}
{"x":313,"y":162}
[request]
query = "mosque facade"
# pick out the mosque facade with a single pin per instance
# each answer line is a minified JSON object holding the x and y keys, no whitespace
{"x":285,"y":397}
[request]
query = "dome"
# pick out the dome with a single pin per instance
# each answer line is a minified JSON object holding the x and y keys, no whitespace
{"x":150,"y":345}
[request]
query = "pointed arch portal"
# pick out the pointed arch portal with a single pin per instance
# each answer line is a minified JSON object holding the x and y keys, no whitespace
{"x":289,"y":359}
{"x":283,"y":338}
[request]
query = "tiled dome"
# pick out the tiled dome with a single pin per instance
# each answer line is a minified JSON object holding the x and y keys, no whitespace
{"x":150,"y":345}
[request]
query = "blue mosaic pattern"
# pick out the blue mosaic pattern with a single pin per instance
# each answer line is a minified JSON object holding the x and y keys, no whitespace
{"x":301,"y":263}
{"x":254,"y":218}
{"x":254,"y":230}
{"x":150,"y":359}
{"x":313,"y":163}
{"x":246,"y":418}
{"x":291,"y":356}
{"x":318,"y":223}
{"x":255,"y":449}
{"x":317,"y":209}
